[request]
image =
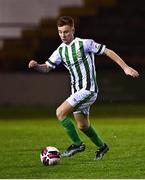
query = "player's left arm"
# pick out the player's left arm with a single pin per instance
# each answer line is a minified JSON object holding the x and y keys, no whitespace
{"x":116,"y":58}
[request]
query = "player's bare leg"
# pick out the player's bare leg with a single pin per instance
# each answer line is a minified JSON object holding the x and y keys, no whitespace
{"x":62,"y":114}
{"x":63,"y":110}
{"x":82,"y":121}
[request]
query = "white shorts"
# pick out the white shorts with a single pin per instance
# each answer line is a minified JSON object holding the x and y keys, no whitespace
{"x":82,"y":100}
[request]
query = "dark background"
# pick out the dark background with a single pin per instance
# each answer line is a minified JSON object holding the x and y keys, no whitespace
{"x":119,"y":24}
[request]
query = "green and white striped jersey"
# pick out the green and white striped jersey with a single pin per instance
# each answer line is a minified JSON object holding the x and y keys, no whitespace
{"x":78,"y":58}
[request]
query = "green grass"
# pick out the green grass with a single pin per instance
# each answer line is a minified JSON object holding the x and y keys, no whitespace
{"x":21,"y":141}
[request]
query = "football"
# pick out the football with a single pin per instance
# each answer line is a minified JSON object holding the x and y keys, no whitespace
{"x":50,"y":156}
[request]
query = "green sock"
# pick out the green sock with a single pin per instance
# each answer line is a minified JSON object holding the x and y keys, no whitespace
{"x":70,"y":130}
{"x":91,"y":133}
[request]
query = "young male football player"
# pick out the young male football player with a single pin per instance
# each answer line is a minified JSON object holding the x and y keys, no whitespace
{"x":77,"y":55}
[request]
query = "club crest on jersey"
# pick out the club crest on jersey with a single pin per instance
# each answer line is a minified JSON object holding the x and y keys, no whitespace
{"x":79,"y":55}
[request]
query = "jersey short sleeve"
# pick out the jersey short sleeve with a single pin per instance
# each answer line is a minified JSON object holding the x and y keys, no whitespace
{"x":54,"y":59}
{"x":92,"y":46}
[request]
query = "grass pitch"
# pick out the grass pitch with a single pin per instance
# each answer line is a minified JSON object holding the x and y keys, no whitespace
{"x":21,"y":141}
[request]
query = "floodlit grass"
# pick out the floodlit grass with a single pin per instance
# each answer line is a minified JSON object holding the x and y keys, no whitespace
{"x":21,"y":141}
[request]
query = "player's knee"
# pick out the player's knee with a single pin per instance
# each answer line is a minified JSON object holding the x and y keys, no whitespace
{"x":60,"y":114}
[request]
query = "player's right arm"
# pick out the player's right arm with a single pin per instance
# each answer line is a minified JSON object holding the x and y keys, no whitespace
{"x":44,"y":68}
{"x":51,"y":63}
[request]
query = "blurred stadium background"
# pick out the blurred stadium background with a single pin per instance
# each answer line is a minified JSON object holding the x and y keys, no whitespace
{"x":28,"y":30}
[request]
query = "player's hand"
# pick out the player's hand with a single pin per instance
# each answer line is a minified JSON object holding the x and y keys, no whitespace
{"x":32,"y":64}
{"x":131,"y":72}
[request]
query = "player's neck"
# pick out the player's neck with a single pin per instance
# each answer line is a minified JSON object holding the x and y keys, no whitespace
{"x":69,"y":42}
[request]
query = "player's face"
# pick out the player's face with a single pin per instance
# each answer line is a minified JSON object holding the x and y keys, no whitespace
{"x":66,"y":33}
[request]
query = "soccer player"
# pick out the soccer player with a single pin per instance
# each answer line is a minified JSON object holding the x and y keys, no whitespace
{"x":77,"y":55}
